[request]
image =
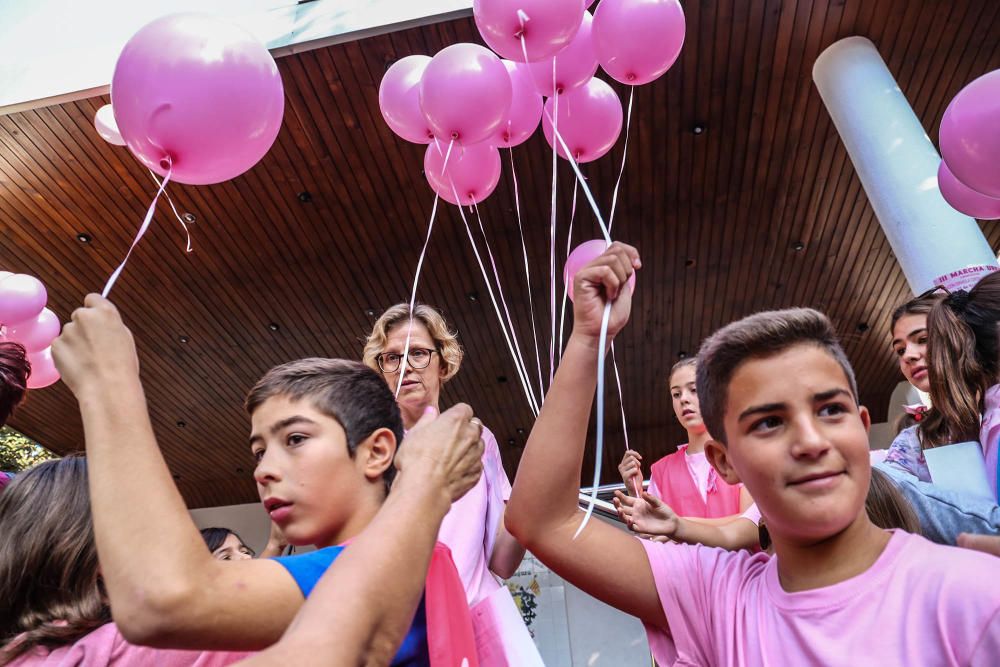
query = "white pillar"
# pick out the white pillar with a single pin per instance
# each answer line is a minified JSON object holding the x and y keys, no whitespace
{"x":897,"y":164}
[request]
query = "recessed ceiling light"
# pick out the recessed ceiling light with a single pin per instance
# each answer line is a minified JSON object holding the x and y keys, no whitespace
{"x":305,"y":197}
{"x":83,"y":237}
{"x":273,"y":326}
{"x":183,"y":339}
{"x":698,"y":129}
{"x":798,"y":246}
{"x":189,"y":218}
{"x":181,"y":424}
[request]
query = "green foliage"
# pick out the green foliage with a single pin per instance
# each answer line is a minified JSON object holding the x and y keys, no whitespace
{"x":19,"y":452}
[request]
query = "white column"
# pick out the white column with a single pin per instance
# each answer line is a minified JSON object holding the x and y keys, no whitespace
{"x":897,"y":164}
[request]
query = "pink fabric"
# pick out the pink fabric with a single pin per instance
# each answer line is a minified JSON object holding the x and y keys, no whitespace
{"x":919,"y":604}
{"x":701,"y":472}
{"x":105,"y":647}
{"x":989,"y":436}
{"x":450,"y":637}
{"x":470,"y":528}
{"x":674,"y":480}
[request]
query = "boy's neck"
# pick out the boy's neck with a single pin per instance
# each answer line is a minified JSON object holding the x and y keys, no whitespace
{"x":364,"y":511}
{"x":847,"y":554}
{"x":697,"y":441}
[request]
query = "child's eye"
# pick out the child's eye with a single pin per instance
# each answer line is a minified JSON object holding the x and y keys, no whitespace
{"x":899,"y":351}
{"x":832,"y":410}
{"x":258,"y":455}
{"x":296,"y":439}
{"x":766,"y":424}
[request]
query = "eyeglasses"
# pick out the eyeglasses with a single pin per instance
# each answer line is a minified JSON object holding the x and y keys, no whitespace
{"x":417,"y":358}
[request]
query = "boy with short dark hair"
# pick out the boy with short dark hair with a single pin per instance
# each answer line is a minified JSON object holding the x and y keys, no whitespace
{"x":778,"y":393}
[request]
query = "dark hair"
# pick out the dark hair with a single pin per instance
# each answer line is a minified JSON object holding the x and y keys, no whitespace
{"x":921,"y":305}
{"x":758,"y":336}
{"x":886,"y":506}
{"x":49,"y":582}
{"x":687,"y":361}
{"x":347,"y":391}
{"x":14,"y":372}
{"x":214,"y":537}
{"x":962,"y":361}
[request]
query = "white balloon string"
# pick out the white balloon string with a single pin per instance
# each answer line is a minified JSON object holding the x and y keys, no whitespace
{"x":579,"y":176}
{"x":176,"y":214}
{"x":503,"y":302}
{"x":523,"y":18}
{"x":621,"y":396}
{"x":496,"y":308}
{"x":569,"y":241}
{"x":527,"y":277}
{"x":142,"y":231}
{"x":413,"y":297}
{"x":444,"y":165}
{"x":628,"y":123}
{"x":599,"y":452}
{"x":552,"y":238}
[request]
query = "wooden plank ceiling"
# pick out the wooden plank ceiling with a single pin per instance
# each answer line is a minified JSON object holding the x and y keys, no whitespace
{"x":718,"y":217}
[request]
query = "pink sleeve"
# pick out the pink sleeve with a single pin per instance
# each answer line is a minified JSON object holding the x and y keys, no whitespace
{"x":753,"y":514}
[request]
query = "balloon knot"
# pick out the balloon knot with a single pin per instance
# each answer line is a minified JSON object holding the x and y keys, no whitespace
{"x":165,"y":164}
{"x":630,"y":77}
{"x":559,"y":90}
{"x":454,"y":136}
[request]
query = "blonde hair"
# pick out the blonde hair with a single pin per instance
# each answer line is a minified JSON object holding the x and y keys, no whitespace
{"x":445,"y":340}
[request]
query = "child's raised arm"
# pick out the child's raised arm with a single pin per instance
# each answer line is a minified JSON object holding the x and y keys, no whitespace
{"x":543,"y":513}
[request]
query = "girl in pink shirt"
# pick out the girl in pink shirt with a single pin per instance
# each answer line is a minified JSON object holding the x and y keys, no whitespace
{"x":55,"y":612}
{"x":480,"y":544}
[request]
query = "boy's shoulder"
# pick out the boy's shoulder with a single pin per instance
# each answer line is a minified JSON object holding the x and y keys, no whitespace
{"x":948,"y":572}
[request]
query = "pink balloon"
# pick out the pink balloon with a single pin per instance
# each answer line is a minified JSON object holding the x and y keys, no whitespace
{"x":104,"y":122}
{"x":970,"y":135}
{"x":590,"y":120}
{"x":964,"y":199}
{"x":465,"y":93}
{"x":638,"y":40}
{"x":474,"y":170}
{"x":399,"y":99}
{"x":43,"y":369}
{"x":35,"y":334}
{"x":200,"y":91}
{"x":525,"y":108}
{"x":22,"y":297}
{"x":547,"y":26}
{"x":584,"y":254}
{"x":575,"y":65}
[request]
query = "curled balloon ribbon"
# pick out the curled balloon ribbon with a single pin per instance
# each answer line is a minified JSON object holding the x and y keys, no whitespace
{"x":142,"y":230}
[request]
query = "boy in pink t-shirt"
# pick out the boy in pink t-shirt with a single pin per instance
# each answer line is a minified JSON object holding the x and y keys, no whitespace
{"x":780,"y":398}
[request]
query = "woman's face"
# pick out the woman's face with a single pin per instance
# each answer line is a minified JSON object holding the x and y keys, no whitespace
{"x":232,"y":549}
{"x":685,"y":399}
{"x":909,"y":342}
{"x":421,"y":387}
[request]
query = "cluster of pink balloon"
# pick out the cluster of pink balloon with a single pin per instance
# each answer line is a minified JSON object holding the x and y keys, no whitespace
{"x":195,"y":95}
{"x":24,"y":319}
{"x":465,"y":102}
{"x":969,"y":175}
{"x":582,"y":255}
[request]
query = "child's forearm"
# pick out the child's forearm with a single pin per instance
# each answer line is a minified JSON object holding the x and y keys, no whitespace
{"x":384,"y":568}
{"x":548,"y":478}
{"x":735,"y":534}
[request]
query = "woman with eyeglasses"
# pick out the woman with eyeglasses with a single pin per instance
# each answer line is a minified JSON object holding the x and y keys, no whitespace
{"x":473,"y":529}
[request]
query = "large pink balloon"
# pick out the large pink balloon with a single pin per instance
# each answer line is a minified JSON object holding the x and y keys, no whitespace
{"x":970,"y":135}
{"x":399,"y":99}
{"x":107,"y":127}
{"x":525,"y":108}
{"x":575,"y":64}
{"x":964,"y":199}
{"x":22,"y":297}
{"x":548,"y":26}
{"x":474,"y":171}
{"x":465,"y":93}
{"x":584,"y":254}
{"x":638,"y":40}
{"x":200,"y":91}
{"x":43,"y":369}
{"x":35,"y":334}
{"x":590,"y":120}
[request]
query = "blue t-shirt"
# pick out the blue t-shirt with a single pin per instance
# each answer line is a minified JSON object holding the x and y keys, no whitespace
{"x":306,"y":569}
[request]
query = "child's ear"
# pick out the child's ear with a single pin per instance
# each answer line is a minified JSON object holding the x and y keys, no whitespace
{"x":376,"y":453}
{"x":718,"y":456}
{"x":866,"y":418}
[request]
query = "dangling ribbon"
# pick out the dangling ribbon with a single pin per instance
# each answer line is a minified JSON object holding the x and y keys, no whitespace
{"x":413,"y":297}
{"x":552,"y":234}
{"x":527,"y":277}
{"x":180,"y":219}
{"x":569,"y":245}
{"x":142,"y":231}
{"x":621,"y":171}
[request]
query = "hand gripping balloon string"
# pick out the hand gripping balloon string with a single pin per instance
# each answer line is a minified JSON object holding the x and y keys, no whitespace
{"x":527,"y":277}
{"x":599,"y":453}
{"x":142,"y":230}
{"x":177,"y":215}
{"x":614,"y":197}
{"x":503,"y":302}
{"x":569,"y":241}
{"x":579,"y":177}
{"x":413,"y":297}
{"x":496,"y":308}
{"x":552,"y":239}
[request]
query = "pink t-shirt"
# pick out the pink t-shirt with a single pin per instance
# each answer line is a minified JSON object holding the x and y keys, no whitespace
{"x":105,"y":647}
{"x":470,"y":528}
{"x":919,"y":604}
